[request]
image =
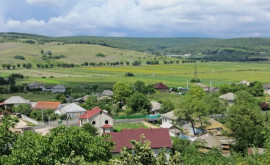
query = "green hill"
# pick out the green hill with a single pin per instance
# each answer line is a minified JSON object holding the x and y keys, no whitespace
{"x":236,"y":49}
{"x":72,"y":53}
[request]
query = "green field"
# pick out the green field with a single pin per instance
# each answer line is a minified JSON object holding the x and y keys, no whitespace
{"x":172,"y":75}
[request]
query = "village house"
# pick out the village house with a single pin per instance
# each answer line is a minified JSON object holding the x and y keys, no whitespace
{"x":58,"y":89}
{"x":98,"y":118}
{"x":214,"y":127}
{"x":244,"y":82}
{"x":45,"y":105}
{"x":14,"y":101}
{"x":159,"y":138}
{"x":229,"y":98}
{"x":72,"y":110}
{"x":169,"y":120}
{"x":266,"y":88}
{"x":156,"y":106}
{"x":204,"y":87}
{"x":107,"y":93}
{"x":161,"y":87}
{"x":36,"y":85}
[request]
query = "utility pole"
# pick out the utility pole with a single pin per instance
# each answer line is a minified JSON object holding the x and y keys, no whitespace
{"x":195,"y":71}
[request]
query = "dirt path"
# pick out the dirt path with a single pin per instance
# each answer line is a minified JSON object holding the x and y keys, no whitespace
{"x":21,"y":124}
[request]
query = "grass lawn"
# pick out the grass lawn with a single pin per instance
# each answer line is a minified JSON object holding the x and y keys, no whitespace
{"x":119,"y":126}
{"x":29,"y":123}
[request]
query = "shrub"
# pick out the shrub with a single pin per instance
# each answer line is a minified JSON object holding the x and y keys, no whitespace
{"x":19,"y":57}
{"x":196,"y":80}
{"x":100,"y":55}
{"x":137,"y":63}
{"x":129,"y":74}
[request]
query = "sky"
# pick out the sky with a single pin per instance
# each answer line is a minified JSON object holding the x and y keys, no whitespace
{"x":137,"y":18}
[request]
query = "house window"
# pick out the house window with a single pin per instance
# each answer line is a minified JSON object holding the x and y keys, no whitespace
{"x":93,"y":122}
{"x":106,"y":122}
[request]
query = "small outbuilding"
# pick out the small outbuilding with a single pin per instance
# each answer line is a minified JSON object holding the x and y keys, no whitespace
{"x":161,"y":87}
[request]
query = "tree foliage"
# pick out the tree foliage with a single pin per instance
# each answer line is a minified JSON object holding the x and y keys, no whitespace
{"x":138,"y":102}
{"x":7,"y":138}
{"x":121,"y":92}
{"x":246,"y":122}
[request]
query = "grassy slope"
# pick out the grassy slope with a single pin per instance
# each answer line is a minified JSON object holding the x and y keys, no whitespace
{"x":75,"y":53}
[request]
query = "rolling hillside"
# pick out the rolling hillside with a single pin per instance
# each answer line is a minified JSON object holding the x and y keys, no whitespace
{"x":73,"y":53}
{"x":236,"y":49}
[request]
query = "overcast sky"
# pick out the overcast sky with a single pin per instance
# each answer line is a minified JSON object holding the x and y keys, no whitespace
{"x":137,"y":18}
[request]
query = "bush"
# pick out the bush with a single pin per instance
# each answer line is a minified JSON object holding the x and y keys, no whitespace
{"x":137,"y":63}
{"x":196,"y":80}
{"x":129,"y":74}
{"x":100,"y":55}
{"x":19,"y":57}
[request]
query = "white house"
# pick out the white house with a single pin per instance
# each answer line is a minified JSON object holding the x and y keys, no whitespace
{"x":229,"y":97}
{"x":266,"y":88}
{"x":108,"y":93}
{"x":98,"y":118}
{"x":156,"y":106}
{"x":15,"y":101}
{"x":73,"y":110}
{"x":58,"y":89}
{"x":169,"y":120}
{"x":245,"y":82}
{"x":36,"y":85}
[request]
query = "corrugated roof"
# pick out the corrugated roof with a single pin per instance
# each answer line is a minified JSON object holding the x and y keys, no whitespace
{"x":107,"y":93}
{"x":90,"y":114}
{"x":213,"y":124}
{"x":159,"y":137}
{"x":72,"y":108}
{"x":229,"y":96}
{"x":160,"y":86}
{"x":16,"y":100}
{"x":155,"y":106}
{"x":169,"y":115}
{"x":211,"y":141}
{"x":47,"y":105}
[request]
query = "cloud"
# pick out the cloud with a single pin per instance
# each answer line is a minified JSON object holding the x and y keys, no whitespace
{"x":156,"y":18}
{"x":47,"y":2}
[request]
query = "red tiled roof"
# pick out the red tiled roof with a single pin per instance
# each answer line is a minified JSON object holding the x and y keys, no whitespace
{"x":3,"y":103}
{"x":90,"y":113}
{"x":107,"y":126}
{"x":159,"y":137}
{"x":160,"y":86}
{"x":47,"y":105}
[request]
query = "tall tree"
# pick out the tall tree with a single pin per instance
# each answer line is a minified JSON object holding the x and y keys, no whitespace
{"x":246,"y":122}
{"x":138,"y":102}
{"x":192,"y":107}
{"x":121,"y":92}
{"x":7,"y":138}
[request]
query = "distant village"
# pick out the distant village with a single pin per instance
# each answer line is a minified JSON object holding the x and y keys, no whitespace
{"x":159,"y":134}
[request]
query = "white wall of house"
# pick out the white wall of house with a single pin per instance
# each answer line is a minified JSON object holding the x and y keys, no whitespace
{"x":167,"y":120}
{"x":58,"y":90}
{"x":99,"y":120}
{"x":74,"y":114}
